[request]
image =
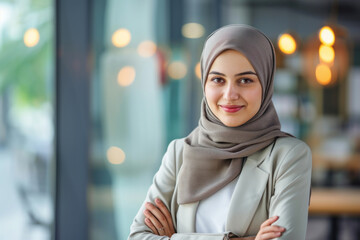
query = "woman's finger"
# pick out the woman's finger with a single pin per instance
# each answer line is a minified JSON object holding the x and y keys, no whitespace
{"x":158,"y":215}
{"x":272,"y":228}
{"x":151,"y":226}
{"x":159,"y":227}
{"x":269,"y":221}
{"x":268,"y":231}
{"x":166,"y":213}
{"x":270,"y":235}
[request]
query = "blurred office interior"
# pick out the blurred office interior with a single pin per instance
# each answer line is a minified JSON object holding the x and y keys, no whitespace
{"x":92,"y":91}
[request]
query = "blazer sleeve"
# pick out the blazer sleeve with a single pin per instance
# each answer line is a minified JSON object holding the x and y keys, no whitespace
{"x":290,"y":200}
{"x":163,"y":187}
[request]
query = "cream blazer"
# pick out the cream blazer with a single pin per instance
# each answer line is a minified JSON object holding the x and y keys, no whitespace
{"x":274,"y":181}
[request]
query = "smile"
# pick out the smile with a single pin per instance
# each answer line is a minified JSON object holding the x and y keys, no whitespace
{"x":231,"y":108}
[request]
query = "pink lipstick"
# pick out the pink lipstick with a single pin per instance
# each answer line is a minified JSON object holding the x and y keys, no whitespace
{"x":231,"y":108}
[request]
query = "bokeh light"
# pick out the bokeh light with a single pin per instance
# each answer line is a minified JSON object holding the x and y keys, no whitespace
{"x":192,"y":30}
{"x":323,"y":74}
{"x":126,"y":76}
{"x":115,"y":155}
{"x":177,"y":70}
{"x":287,"y":43}
{"x":31,"y":37}
{"x":326,"y":53}
{"x":121,"y":37}
{"x":198,"y":70}
{"x":327,"y":36}
{"x":146,"y":49}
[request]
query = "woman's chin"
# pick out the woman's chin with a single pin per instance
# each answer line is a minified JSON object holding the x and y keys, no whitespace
{"x":232,"y":123}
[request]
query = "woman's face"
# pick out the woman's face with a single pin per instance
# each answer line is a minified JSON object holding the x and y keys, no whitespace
{"x":232,"y":89}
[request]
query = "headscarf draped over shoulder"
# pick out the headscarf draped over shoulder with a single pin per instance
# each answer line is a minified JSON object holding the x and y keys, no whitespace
{"x":213,"y":153}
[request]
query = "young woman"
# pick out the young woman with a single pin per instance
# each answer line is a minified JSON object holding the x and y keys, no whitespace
{"x":237,"y":175}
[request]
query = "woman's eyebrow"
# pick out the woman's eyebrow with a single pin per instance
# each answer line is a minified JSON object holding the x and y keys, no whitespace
{"x":238,"y":74}
{"x":245,"y":73}
{"x":217,"y":73}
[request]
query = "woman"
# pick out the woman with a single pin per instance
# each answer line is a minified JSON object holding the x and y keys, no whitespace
{"x":236,"y":174}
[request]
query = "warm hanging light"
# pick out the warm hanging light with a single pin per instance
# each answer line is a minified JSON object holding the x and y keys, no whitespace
{"x":326,"y":53}
{"x":31,"y":37}
{"x":327,"y":56}
{"x":126,"y":76}
{"x":121,"y":37}
{"x":287,"y":43}
{"x":323,"y":74}
{"x":327,"y":36}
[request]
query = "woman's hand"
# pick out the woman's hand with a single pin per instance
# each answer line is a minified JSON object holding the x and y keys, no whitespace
{"x":268,"y":231}
{"x":158,"y":218}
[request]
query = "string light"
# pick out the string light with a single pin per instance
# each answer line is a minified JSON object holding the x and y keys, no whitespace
{"x":326,"y":53}
{"x":327,"y":36}
{"x":323,"y":74}
{"x":287,"y":43}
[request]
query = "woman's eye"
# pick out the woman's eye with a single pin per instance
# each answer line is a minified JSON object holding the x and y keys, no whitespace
{"x":217,"y":80}
{"x":246,"y":80}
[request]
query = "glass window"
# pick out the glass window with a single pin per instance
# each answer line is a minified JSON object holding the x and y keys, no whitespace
{"x":26,"y":119}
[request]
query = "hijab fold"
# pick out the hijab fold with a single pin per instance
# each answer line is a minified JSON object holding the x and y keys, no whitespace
{"x":213,"y":153}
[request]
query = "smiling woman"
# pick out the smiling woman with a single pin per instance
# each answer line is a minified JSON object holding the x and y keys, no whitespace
{"x":202,"y":189}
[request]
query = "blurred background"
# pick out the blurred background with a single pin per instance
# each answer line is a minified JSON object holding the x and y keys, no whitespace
{"x":138,"y":76}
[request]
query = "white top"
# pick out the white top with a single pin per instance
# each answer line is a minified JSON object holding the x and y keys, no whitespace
{"x":212,"y":212}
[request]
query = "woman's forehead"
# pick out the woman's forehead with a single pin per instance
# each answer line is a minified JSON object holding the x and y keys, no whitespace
{"x":232,"y":60}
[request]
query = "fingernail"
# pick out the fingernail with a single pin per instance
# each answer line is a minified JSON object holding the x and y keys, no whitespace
{"x":157,"y":200}
{"x":147,"y":220}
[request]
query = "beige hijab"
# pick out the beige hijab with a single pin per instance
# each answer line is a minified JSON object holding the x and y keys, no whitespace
{"x":213,"y":153}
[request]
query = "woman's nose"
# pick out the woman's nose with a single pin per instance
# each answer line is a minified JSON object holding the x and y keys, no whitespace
{"x":231,"y":93}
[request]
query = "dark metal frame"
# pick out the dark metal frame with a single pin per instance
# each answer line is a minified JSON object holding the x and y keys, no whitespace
{"x":73,"y":78}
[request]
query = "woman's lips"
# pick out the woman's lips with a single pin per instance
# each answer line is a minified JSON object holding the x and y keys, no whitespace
{"x":231,"y":108}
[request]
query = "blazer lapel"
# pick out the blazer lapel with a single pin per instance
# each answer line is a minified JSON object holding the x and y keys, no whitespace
{"x":248,"y":192}
{"x":186,"y":217}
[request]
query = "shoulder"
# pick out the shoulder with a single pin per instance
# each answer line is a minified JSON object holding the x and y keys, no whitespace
{"x":286,"y":144}
{"x":174,"y":153}
{"x":176,"y":146}
{"x":280,"y":149}
{"x":289,"y":152}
